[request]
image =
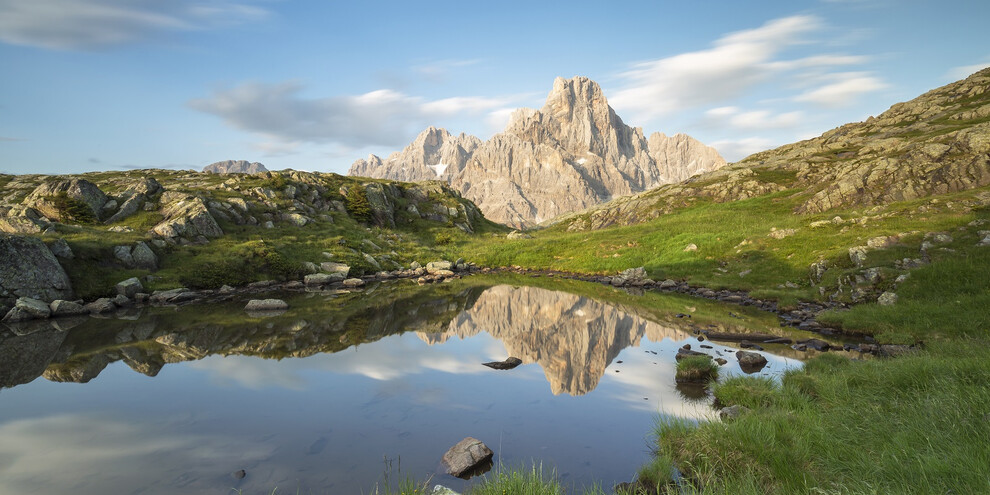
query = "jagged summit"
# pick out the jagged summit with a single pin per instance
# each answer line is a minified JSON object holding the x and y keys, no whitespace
{"x":572,"y":153}
{"x":235,"y":167}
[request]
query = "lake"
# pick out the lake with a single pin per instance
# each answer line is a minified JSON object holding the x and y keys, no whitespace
{"x":346,"y":388}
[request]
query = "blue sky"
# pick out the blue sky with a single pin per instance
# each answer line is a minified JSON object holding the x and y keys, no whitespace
{"x":121,"y":84}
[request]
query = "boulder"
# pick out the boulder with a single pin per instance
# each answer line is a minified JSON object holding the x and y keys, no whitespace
{"x":331,"y":267}
{"x":78,"y":189}
{"x":690,"y":248}
{"x":102,"y":305}
{"x":29,"y":269}
{"x":121,"y":301}
{"x":371,"y":261}
{"x":435,"y":266}
{"x":172,"y":296}
{"x":266,"y":305}
{"x":887,"y":299}
{"x":61,"y":307}
{"x":187,"y":218}
{"x":857,"y":255}
{"x":143,"y":257}
{"x":732,"y":412}
{"x":353,"y":282}
{"x":26,"y":309}
{"x":382,"y":209}
{"x":61,"y":249}
{"x":751,"y":362}
{"x":130,"y":287}
{"x":323,"y":278}
{"x":123,"y":254}
{"x":130,"y":207}
{"x":462,"y":459}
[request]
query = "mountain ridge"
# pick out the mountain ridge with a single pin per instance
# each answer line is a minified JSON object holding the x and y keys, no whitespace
{"x":572,"y":153}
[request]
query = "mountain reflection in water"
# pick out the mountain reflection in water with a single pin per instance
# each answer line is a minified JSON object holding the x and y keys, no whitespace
{"x":346,"y":379}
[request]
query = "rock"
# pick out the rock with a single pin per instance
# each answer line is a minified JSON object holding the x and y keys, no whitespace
{"x":172,"y":296}
{"x":817,"y":270}
{"x":130,"y":287}
{"x":442,"y":490}
{"x":323,"y":278}
{"x":690,"y":248}
{"x":684,"y":352}
{"x":27,"y":308}
{"x":371,"y":261}
{"x":730,"y":413}
{"x":414,"y":265}
{"x":29,"y":269}
{"x":887,"y":299}
{"x":143,"y":257}
{"x":331,"y":267}
{"x":187,"y":218}
{"x":816,"y":344}
{"x":121,"y":301}
{"x":573,"y":153}
{"x":130,"y":207}
{"x":781,"y":233}
{"x":750,"y":362}
{"x":435,"y":266}
{"x":61,"y":249}
{"x":266,"y":305}
{"x":78,"y":189}
{"x":309,"y":267}
{"x":123,"y":255}
{"x":515,"y":234}
{"x":353,"y":282}
{"x":226,"y":289}
{"x":508,"y":364}
{"x":61,"y":307}
{"x":465,"y":456}
{"x":721,"y":361}
{"x":296,"y":219}
{"x":102,"y":305}
{"x":234,"y":167}
{"x":668,"y":284}
{"x":858,"y":255}
{"x":239,"y":474}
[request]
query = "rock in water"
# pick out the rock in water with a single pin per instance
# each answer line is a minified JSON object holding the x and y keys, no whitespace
{"x":235,"y":167}
{"x":751,"y":362}
{"x":508,"y":364}
{"x":462,"y":459}
{"x":266,"y":305}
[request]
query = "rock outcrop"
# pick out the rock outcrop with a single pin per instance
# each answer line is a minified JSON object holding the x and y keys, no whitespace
{"x":235,"y":167}
{"x":29,"y":269}
{"x":937,"y":143}
{"x":573,"y":153}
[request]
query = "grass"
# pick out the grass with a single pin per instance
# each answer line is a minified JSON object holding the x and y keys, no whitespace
{"x":697,"y":369}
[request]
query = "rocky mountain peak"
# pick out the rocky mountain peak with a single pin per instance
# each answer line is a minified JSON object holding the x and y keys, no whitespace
{"x":235,"y":167}
{"x":572,"y":153}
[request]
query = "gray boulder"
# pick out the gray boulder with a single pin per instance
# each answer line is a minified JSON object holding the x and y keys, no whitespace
{"x":435,"y":266}
{"x":28,"y":308}
{"x":466,"y":456}
{"x":130,"y":287}
{"x":131,"y":206}
{"x":189,"y":218}
{"x":123,"y":254}
{"x":353,"y":282}
{"x":61,"y":249}
{"x":29,"y":269}
{"x":79,"y":189}
{"x":323,"y":278}
{"x":266,"y":305}
{"x":751,"y":362}
{"x":61,"y":307}
{"x":887,"y":299}
{"x":144,"y":257}
{"x":331,"y":267}
{"x":732,"y":412}
{"x":100,"y":306}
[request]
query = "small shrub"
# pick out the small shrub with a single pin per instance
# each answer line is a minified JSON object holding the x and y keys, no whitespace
{"x":72,"y":209}
{"x":358,"y":205}
{"x":442,"y":238}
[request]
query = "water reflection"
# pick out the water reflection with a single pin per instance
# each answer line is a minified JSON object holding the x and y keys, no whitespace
{"x":343,"y":380}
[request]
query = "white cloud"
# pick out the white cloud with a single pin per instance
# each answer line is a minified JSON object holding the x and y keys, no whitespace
{"x":438,"y":70}
{"x":383,"y":117}
{"x":753,"y":119}
{"x":965,"y":71}
{"x":736,"y":149}
{"x":843,"y":89}
{"x":92,"y":24}
{"x":737,"y":64}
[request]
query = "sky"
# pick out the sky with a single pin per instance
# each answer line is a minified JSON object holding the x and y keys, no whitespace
{"x":90,"y":85}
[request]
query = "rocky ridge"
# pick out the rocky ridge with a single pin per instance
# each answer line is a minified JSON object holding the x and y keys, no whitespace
{"x":235,"y":167}
{"x":573,"y":153}
{"x":936,"y":143}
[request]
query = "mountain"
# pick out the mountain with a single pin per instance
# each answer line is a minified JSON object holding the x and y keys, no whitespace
{"x":235,"y":167}
{"x":573,"y":153}
{"x":936,"y":143}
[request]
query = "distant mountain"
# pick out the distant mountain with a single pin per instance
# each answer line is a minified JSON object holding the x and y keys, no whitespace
{"x":936,"y":143}
{"x":235,"y":167}
{"x":573,"y":153}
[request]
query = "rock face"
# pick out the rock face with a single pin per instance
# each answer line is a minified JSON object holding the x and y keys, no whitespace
{"x":29,"y":269}
{"x":937,"y":143}
{"x":235,"y":167}
{"x":78,"y":189}
{"x":573,"y":153}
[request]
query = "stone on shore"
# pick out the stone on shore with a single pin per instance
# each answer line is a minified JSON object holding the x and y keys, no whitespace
{"x":129,"y":287}
{"x":467,"y":455}
{"x":266,"y":305}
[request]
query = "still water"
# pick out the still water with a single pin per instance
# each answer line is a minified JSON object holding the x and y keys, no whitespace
{"x":345,"y":388}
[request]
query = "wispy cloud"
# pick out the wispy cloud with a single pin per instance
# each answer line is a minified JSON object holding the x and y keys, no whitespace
{"x":384,"y":117}
{"x":965,"y":71}
{"x":439,"y":70}
{"x":842,"y":89}
{"x":736,"y":64}
{"x":94,"y":24}
{"x":11,"y":139}
{"x":736,"y":149}
{"x":754,"y":119}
